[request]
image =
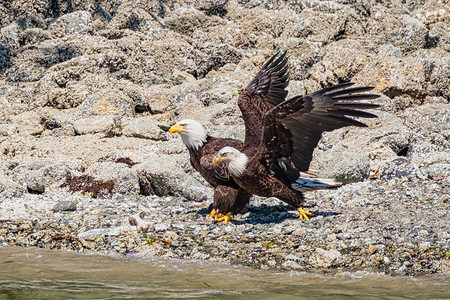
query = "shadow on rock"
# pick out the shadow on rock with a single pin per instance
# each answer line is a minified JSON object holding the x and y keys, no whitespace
{"x":265,"y":214}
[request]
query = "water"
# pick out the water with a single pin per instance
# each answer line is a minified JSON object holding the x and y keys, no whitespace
{"x":30,"y":273}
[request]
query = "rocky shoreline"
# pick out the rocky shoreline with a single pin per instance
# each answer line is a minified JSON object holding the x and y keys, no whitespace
{"x":361,"y":226}
{"x":88,"y":92}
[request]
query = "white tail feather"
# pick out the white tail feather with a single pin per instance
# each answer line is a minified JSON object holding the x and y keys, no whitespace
{"x":310,"y":183}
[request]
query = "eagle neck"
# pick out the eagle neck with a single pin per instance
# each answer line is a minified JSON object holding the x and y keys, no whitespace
{"x":194,"y":140}
{"x":237,"y":166}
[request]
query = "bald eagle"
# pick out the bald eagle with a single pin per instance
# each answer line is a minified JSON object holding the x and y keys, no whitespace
{"x":291,"y":130}
{"x":265,"y":92}
{"x":228,"y":196}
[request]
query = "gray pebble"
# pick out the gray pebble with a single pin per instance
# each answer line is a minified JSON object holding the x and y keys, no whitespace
{"x":65,"y":206}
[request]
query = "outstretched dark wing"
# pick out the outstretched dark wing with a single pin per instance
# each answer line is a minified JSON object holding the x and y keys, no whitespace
{"x":272,"y":80}
{"x":293,"y":128}
{"x":264,"y":92}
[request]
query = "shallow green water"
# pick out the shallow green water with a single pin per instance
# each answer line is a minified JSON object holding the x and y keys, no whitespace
{"x":29,"y":273}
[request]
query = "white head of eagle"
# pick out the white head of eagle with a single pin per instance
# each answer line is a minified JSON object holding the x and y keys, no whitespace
{"x":192,"y":133}
{"x":235,"y":160}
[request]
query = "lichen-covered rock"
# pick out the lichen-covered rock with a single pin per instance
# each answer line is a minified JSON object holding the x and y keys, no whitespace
{"x":340,"y":62}
{"x":8,"y":129}
{"x":123,"y":177}
{"x":144,"y":127}
{"x":73,"y":23}
{"x":35,"y":176}
{"x":159,"y":176}
{"x":99,"y":124}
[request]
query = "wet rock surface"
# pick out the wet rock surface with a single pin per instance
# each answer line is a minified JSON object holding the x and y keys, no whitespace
{"x":88,"y":91}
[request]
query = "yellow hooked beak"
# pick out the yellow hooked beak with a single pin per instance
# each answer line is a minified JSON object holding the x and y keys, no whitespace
{"x":218,"y":159}
{"x":176,"y":128}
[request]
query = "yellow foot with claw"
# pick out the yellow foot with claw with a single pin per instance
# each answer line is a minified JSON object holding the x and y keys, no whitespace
{"x":225,"y":219}
{"x":304,"y":214}
{"x":212,"y":214}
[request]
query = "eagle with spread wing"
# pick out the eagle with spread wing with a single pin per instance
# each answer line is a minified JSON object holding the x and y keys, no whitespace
{"x":291,"y":131}
{"x":264,"y":93}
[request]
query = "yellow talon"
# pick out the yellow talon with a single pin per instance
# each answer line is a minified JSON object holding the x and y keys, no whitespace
{"x":225,"y":218}
{"x":212,"y":214}
{"x":304,"y":214}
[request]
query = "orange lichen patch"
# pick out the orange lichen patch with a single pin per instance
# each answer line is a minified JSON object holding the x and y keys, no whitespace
{"x":388,"y":73}
{"x":105,"y":106}
{"x":315,"y":76}
{"x":163,"y":117}
{"x":343,"y":70}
